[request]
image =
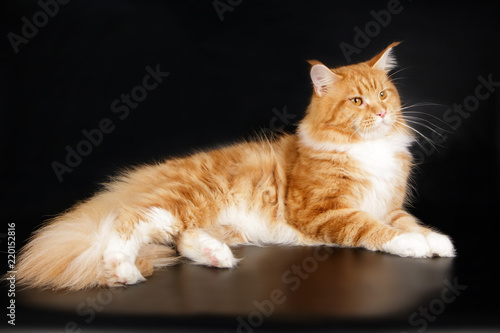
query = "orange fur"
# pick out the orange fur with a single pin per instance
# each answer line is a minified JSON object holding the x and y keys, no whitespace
{"x":294,"y":189}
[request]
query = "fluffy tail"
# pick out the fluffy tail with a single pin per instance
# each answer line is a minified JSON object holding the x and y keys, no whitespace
{"x":66,"y":253}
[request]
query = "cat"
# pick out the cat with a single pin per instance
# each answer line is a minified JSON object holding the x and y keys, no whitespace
{"x":340,"y":180}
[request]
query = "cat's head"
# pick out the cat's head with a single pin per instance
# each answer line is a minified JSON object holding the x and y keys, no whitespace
{"x":354,"y":103}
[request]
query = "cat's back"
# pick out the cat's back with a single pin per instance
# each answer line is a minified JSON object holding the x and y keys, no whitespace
{"x":246,"y":167}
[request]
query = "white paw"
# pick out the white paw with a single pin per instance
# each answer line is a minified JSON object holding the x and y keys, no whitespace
{"x":218,"y":254}
{"x":127,"y":273}
{"x":408,"y":245}
{"x":120,"y":270}
{"x":205,"y":250}
{"x":440,"y":245}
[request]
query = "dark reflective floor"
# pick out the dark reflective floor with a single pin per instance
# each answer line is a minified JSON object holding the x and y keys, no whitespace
{"x":272,"y":285}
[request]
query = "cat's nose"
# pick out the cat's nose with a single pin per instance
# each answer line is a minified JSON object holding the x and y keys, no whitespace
{"x":381,"y":114}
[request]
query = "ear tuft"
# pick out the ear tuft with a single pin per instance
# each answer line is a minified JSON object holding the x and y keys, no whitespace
{"x":321,"y":77}
{"x":385,"y":60}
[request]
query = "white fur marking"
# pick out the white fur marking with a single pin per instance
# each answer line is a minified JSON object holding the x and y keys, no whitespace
{"x":255,"y":228}
{"x":120,"y":254}
{"x":202,"y":248}
{"x":160,"y":220}
{"x":378,"y":159}
{"x":440,"y":245}
{"x":408,"y":245}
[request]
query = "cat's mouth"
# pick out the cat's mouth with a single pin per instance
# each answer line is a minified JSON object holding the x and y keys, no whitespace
{"x":376,"y":127}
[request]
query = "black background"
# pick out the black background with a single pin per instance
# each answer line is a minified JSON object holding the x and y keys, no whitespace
{"x":227,"y":81}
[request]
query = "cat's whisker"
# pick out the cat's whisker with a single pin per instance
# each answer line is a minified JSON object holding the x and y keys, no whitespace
{"x":421,"y":122}
{"x":391,"y":75}
{"x":413,"y":107}
{"x":353,"y":133}
{"x":400,"y":130}
{"x":399,"y":84}
{"x":431,"y":142}
{"x":425,"y":104}
{"x":428,"y":127}
{"x":427,"y":115}
{"x":409,"y":113}
{"x":406,"y":131}
{"x":398,"y":78}
{"x":418,"y":143}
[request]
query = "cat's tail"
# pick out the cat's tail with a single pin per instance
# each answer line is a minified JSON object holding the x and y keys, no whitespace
{"x":66,"y":253}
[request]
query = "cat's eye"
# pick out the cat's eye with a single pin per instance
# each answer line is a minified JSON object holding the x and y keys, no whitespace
{"x":383,"y":95}
{"x":358,"y":101}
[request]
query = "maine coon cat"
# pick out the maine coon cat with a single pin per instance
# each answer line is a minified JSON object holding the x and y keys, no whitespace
{"x":341,"y":179}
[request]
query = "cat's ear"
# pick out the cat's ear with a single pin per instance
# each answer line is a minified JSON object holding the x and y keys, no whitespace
{"x":385,"y":60}
{"x":321,"y":77}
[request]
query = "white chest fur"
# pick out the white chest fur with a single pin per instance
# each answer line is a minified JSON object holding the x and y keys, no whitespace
{"x":379,"y":160}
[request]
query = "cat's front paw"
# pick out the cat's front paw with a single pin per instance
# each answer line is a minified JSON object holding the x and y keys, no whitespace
{"x":408,"y":245}
{"x":120,"y":270}
{"x":440,"y":245}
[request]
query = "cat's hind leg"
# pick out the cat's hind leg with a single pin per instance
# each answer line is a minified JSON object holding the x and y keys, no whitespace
{"x":120,"y":269}
{"x":439,"y":244}
{"x":203,"y":249}
{"x":131,"y":232}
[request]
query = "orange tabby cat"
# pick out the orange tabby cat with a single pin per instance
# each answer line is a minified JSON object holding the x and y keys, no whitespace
{"x":340,"y":180}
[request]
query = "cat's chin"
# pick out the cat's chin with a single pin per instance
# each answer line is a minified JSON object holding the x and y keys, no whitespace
{"x":377,"y":133}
